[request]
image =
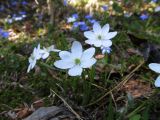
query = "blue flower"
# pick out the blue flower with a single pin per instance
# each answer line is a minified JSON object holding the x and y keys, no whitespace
{"x":84,"y":27}
{"x":92,"y":21}
{"x":154,"y":1}
{"x":24,"y":3}
{"x":144,"y":17}
{"x":105,"y":7}
{"x":3,"y":33}
{"x":65,"y":2}
{"x":75,"y":24}
{"x":22,"y":13}
{"x":88,"y":16}
{"x":1,"y":30}
{"x":82,"y":23}
{"x":75,"y":16}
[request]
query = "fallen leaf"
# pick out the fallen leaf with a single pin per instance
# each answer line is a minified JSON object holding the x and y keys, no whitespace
{"x":24,"y":112}
{"x":39,"y":103}
{"x":137,"y":88}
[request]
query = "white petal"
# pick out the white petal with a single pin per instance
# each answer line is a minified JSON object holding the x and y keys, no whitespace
{"x":106,"y":43}
{"x":55,"y":50}
{"x":88,"y":63}
{"x":97,"y":28}
{"x":29,"y":68}
{"x":110,"y":35}
{"x":75,"y":71}
{"x":155,"y":67}
{"x":105,"y":28}
{"x":52,"y":48}
{"x":98,"y":43}
{"x":91,"y":42}
{"x":64,"y":64}
{"x":76,"y":49}
{"x":31,"y":65}
{"x":45,"y":55}
{"x":89,"y":35}
{"x":65,"y":55}
{"x":157,"y":82}
{"x":87,"y":54}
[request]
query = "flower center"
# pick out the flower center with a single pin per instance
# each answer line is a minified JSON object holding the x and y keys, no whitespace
{"x":77,"y":61}
{"x":99,"y":37}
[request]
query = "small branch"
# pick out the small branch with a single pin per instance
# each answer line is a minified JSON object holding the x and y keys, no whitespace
{"x":68,"y":106}
{"x":119,"y":85}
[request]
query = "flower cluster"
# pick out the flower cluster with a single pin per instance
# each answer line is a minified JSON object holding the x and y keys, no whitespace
{"x":18,"y":15}
{"x":78,"y":24}
{"x":77,"y":59}
{"x":39,"y":53}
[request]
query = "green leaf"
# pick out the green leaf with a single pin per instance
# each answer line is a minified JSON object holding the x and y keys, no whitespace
{"x":135,"y":117}
{"x":110,"y":110}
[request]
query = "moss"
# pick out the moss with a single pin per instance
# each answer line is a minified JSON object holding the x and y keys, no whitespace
{"x":13,"y":97}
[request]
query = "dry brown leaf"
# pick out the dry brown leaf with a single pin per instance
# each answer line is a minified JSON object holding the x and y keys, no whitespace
{"x":133,"y":51}
{"x":39,"y":103}
{"x":24,"y":112}
{"x":137,"y":88}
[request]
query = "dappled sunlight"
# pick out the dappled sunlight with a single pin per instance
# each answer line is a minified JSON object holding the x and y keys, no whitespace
{"x":79,"y":59}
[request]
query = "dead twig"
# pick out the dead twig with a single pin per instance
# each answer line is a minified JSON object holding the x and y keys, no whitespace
{"x":119,"y":85}
{"x":68,"y":106}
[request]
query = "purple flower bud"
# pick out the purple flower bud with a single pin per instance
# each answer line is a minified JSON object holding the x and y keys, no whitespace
{"x":106,"y":50}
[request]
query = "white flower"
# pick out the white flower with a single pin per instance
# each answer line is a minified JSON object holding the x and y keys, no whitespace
{"x":100,"y":36}
{"x":71,"y":19}
{"x":36,"y":55}
{"x":156,"y":67}
{"x":76,"y":60}
{"x":46,"y":51}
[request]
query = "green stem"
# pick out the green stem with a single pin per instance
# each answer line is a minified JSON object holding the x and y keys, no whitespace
{"x":46,"y":65}
{"x":136,"y":110}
